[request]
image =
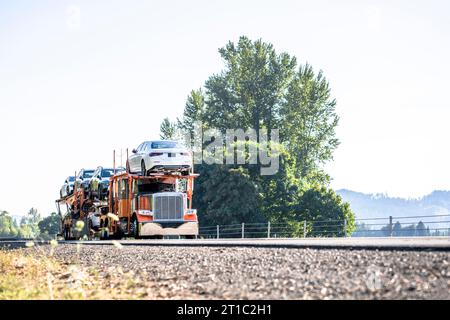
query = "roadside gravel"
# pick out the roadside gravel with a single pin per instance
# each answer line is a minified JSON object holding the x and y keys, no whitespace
{"x":264,"y":273}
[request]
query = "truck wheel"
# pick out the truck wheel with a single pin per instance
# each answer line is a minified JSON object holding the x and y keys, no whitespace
{"x":104,"y":235}
{"x":143,"y":168}
{"x":89,"y":233}
{"x":135,"y":228}
{"x":66,"y":234}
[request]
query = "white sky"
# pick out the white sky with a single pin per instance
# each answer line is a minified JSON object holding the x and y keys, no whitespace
{"x":81,"y":78}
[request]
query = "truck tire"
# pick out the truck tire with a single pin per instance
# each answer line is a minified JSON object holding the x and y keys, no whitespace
{"x":135,"y":228}
{"x":104,"y":234}
{"x":89,"y":234}
{"x":66,"y":234}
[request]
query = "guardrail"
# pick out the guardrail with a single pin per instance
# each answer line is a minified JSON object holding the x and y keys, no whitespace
{"x":401,"y":226}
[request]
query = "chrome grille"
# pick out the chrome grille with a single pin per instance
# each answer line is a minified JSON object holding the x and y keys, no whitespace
{"x":168,"y":207}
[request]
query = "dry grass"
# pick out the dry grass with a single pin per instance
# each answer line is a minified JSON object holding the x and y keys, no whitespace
{"x":34,"y":274}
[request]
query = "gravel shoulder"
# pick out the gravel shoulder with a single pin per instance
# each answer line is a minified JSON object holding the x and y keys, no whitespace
{"x":154,"y":272}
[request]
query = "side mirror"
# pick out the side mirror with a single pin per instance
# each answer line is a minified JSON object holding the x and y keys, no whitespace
{"x":134,"y":151}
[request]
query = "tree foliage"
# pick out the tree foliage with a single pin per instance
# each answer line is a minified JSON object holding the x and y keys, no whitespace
{"x":226,"y":196}
{"x":167,"y":130}
{"x":310,"y":120}
{"x":262,"y":89}
{"x":8,"y":226}
{"x":325,"y":212}
{"x":27,"y":228}
{"x":29,"y":224}
{"x":49,"y":225}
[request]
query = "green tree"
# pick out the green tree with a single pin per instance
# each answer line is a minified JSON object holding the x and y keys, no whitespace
{"x":309,"y":124}
{"x":226,"y":196}
{"x":167,"y":129}
{"x":193,"y":112}
{"x":262,"y":89}
{"x":49,"y":225}
{"x":8,"y":226}
{"x":421,"y":229}
{"x":29,"y":224}
{"x":250,"y":91}
{"x":325,"y":213}
{"x":397,"y":229}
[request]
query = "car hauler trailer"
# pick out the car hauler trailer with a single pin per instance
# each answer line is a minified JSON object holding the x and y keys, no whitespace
{"x":155,"y":206}
{"x":137,"y":206}
{"x":79,"y":215}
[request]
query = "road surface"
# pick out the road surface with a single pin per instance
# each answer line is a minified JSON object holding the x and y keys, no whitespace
{"x":355,"y":268}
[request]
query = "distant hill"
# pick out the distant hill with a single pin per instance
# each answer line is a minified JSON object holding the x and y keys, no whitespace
{"x":379,"y":205}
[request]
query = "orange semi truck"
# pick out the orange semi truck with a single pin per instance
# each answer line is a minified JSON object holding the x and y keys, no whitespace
{"x":155,"y":206}
{"x":150,"y":206}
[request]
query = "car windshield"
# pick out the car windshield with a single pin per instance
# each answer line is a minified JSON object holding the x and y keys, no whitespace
{"x":106,"y":173}
{"x":165,"y":145}
{"x":88,"y":174}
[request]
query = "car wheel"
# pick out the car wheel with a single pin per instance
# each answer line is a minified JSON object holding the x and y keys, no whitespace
{"x":143,"y":168}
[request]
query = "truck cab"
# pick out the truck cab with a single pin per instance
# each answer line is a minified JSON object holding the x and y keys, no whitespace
{"x":151,"y":206}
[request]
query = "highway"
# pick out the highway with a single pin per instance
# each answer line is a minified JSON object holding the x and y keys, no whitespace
{"x":391,"y":243}
{"x":344,"y":268}
{"x":412,"y":243}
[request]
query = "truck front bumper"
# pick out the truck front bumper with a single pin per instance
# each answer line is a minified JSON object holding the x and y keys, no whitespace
{"x":159,"y":229}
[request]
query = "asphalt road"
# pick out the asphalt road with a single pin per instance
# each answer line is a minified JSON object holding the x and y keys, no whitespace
{"x":407,"y":243}
{"x":394,"y":243}
{"x":252,"y":272}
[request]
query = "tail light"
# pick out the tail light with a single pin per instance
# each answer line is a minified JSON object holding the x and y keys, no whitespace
{"x":155,"y":154}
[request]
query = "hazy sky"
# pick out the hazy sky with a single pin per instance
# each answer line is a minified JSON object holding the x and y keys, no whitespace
{"x":81,"y":78}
